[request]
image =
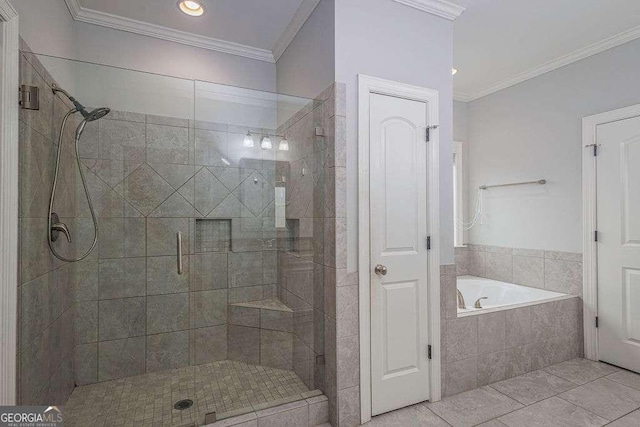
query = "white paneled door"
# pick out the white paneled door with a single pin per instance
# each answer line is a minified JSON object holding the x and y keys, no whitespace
{"x":618,"y":219}
{"x":399,"y":268}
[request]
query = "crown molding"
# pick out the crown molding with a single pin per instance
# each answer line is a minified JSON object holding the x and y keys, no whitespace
{"x":440,"y":8}
{"x":577,"y":55}
{"x":303,"y":13}
{"x":461,"y":96}
{"x":109,"y":20}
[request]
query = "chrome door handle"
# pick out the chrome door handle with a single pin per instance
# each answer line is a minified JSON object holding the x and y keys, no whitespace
{"x":179,"y":248}
{"x":381,"y":269}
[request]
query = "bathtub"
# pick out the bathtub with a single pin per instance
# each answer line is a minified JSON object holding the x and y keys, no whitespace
{"x":500,"y":295}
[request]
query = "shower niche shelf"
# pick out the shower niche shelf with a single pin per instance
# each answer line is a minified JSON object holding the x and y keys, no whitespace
{"x":213,"y":235}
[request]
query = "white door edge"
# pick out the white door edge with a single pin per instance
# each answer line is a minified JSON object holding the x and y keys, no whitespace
{"x":9,"y":80}
{"x":589,"y":209}
{"x":366,"y":86}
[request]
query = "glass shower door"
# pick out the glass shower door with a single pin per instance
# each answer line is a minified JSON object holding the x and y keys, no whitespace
{"x":237,"y":176}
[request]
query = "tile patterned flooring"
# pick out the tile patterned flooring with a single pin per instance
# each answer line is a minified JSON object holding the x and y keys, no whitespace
{"x":147,"y":400}
{"x":576,"y":393}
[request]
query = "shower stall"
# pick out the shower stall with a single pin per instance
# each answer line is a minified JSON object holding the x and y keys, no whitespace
{"x":211,"y":288}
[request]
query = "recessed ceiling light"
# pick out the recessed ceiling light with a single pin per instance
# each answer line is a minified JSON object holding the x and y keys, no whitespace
{"x":191,"y":8}
{"x":454,"y":71}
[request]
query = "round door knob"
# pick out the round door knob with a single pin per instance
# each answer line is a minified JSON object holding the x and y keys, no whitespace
{"x":381,"y":269}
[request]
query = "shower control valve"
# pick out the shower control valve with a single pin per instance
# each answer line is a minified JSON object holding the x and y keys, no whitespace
{"x":58,"y":227}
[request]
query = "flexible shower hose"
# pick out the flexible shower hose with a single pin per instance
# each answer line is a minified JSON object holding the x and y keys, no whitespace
{"x":84,"y":184}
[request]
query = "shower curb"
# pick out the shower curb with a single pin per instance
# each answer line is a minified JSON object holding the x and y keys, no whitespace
{"x":311,"y":412}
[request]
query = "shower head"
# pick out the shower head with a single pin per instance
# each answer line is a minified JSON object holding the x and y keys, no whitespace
{"x":96,"y":114}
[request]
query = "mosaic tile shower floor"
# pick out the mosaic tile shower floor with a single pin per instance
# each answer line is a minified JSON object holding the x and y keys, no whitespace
{"x":147,"y":400}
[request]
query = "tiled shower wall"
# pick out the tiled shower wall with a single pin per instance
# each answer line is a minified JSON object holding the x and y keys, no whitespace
{"x":151,"y":177}
{"x":313,"y":278}
{"x":551,"y":270}
{"x":301,"y":256}
{"x":46,"y":308}
{"x":124,"y":309}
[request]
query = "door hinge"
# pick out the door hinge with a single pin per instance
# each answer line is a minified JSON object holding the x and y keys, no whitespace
{"x":594,"y":148}
{"x":428,"y":243}
{"x":429,"y":352}
{"x":595,"y":236}
{"x":428,"y":135}
{"x":29,"y":97}
{"x":596,"y":321}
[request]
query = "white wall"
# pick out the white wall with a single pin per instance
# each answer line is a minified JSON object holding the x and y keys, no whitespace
{"x":533,"y":130}
{"x":385,"y":39}
{"x":307,"y":67}
{"x":47,"y":26}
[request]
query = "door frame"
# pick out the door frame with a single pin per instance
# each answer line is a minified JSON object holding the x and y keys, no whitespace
{"x":460,"y":196}
{"x":9,"y":80}
{"x":589,"y":222}
{"x":367,"y":86}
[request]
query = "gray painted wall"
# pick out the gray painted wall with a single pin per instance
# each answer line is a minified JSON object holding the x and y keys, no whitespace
{"x":461,"y":135}
{"x":395,"y":42}
{"x":47,"y":26}
{"x":307,"y":67}
{"x":533,"y":130}
{"x":460,"y":125}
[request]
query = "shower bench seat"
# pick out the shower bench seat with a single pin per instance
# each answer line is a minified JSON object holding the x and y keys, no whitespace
{"x":261,"y":332}
{"x":268,"y":304}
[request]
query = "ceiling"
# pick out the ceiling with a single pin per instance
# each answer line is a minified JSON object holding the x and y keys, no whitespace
{"x":498,"y":43}
{"x":257,"y":29}
{"x":257,"y":23}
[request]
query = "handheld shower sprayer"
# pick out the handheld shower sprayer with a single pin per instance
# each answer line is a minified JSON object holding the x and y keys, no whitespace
{"x":55,"y":226}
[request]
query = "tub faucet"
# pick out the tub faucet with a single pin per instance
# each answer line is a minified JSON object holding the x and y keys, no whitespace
{"x":477,"y":303}
{"x":461,"y":303}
